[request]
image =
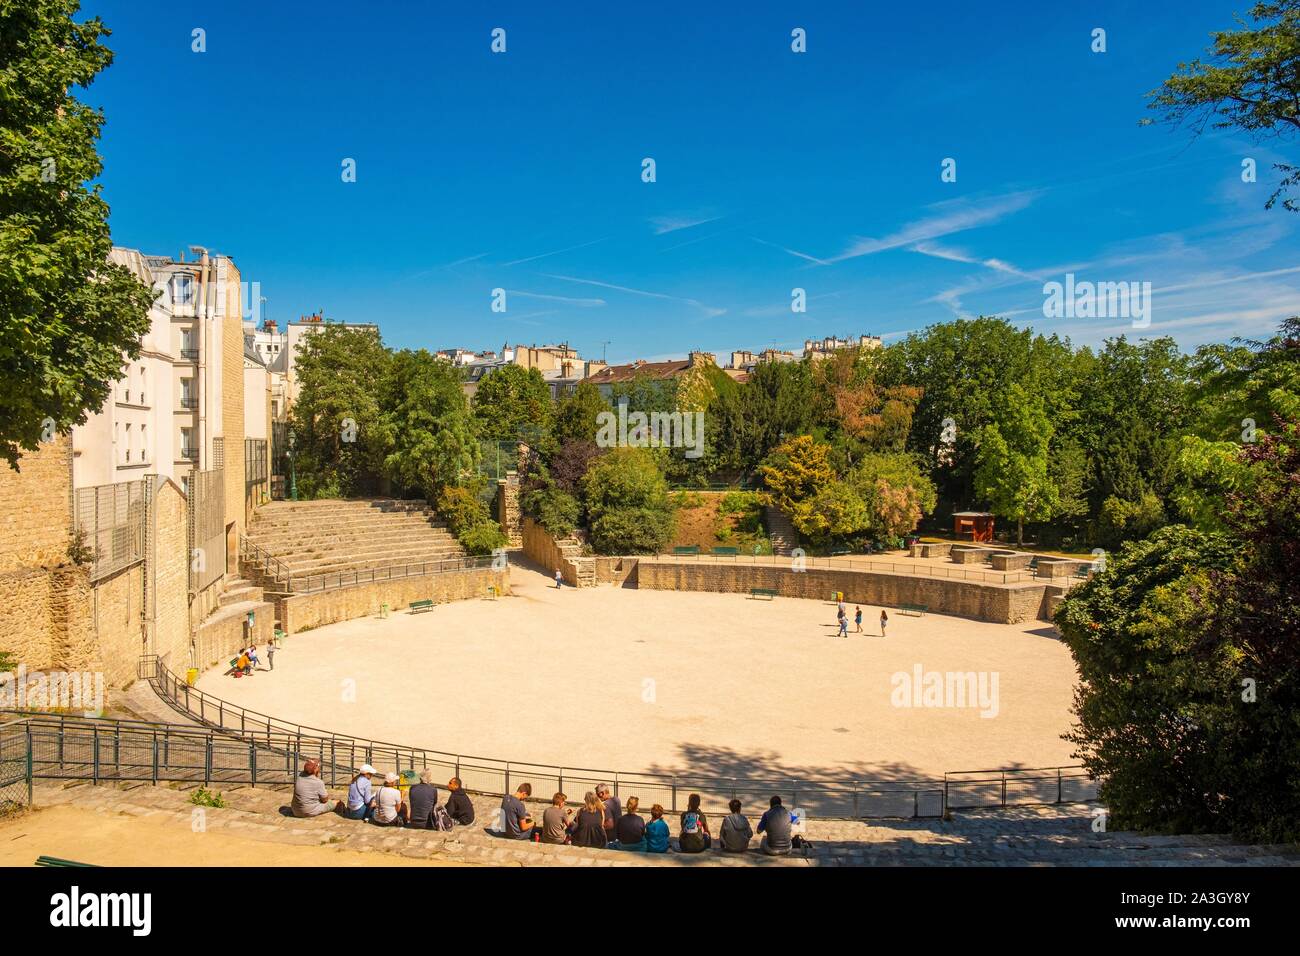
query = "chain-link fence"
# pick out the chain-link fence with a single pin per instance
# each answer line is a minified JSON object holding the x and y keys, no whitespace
{"x":206,"y":502}
{"x":15,"y":769}
{"x":111,"y":520}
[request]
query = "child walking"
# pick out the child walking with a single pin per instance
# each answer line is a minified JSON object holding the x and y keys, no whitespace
{"x":857,"y":620}
{"x":884,"y":620}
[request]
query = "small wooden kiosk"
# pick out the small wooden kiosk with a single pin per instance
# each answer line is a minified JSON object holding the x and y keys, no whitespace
{"x":975,"y":525}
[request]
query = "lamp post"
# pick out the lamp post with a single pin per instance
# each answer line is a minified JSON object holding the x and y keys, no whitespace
{"x":293,"y":469}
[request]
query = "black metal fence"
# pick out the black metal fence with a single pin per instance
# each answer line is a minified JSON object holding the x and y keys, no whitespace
{"x":284,"y":744}
{"x":15,"y":769}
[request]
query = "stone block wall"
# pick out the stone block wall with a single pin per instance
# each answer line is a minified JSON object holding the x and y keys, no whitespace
{"x":509,"y":514}
{"x":168,"y":629}
{"x":996,"y":603}
{"x":576,"y":569}
{"x":302,"y":612}
{"x":220,"y":638}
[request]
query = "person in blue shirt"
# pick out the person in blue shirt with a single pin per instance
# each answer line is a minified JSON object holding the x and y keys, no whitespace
{"x":656,"y":831}
{"x":361,"y":798}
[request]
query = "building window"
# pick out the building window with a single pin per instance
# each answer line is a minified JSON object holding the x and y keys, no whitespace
{"x":182,"y":289}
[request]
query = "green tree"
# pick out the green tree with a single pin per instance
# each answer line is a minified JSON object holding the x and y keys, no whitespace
{"x":428,"y":427}
{"x":1012,"y":462}
{"x":577,"y":413}
{"x":512,"y":403}
{"x":1251,"y":83}
{"x":896,"y":490}
{"x":794,"y":474}
{"x":341,"y":437}
{"x":68,"y":317}
{"x":628,"y":503}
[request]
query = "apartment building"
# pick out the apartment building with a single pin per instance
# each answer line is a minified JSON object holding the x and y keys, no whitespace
{"x":820,"y":348}
{"x":180,"y":408}
{"x":295,"y":334}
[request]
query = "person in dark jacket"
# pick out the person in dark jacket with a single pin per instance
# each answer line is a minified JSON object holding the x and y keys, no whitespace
{"x":630,"y":828}
{"x":420,"y":802}
{"x":589,"y":825}
{"x":459,"y":806}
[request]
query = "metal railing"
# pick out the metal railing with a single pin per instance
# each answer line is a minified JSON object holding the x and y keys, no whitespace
{"x":914,"y":568}
{"x":284,"y":581}
{"x":847,"y":797}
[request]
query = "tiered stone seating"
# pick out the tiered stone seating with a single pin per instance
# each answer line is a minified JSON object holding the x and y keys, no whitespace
{"x":336,"y":536}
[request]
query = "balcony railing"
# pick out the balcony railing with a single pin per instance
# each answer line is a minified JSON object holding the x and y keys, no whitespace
{"x":189,"y":401}
{"x":190,"y":354}
{"x":190,"y":454}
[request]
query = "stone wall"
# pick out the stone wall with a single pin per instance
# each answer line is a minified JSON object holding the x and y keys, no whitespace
{"x":509,"y":514}
{"x":614,"y":570}
{"x":997,"y":603}
{"x":36,"y":508}
{"x":566,"y":556}
{"x":220,"y":638}
{"x":168,"y":626}
{"x":302,"y":612}
{"x":118,"y":624}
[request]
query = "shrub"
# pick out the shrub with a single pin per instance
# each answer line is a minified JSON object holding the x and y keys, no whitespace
{"x":203,"y":797}
{"x":483,"y":538}
{"x":557,"y":511}
{"x":632,"y":530}
{"x":461,"y":507}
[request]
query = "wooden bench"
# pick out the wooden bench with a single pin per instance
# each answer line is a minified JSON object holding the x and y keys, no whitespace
{"x":417,"y":606}
{"x":687,"y":549}
{"x":56,"y":861}
{"x":727,"y":550}
{"x":762,"y":593}
{"x":914,"y":610}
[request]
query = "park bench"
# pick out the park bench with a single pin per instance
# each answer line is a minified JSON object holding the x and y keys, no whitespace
{"x":1084,"y":570}
{"x":914,"y":610}
{"x":838,"y":552}
{"x":56,"y":861}
{"x":687,"y":549}
{"x":727,"y":550}
{"x":417,"y":606}
{"x":767,"y":593}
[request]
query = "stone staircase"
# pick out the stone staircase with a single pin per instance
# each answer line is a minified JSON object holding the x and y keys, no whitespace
{"x":335,"y":536}
{"x":784,"y":538}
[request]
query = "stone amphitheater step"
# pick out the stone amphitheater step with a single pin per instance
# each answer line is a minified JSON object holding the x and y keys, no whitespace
{"x":1040,"y":836}
{"x":780,"y":530}
{"x":237,"y":591}
{"x":308,"y":542}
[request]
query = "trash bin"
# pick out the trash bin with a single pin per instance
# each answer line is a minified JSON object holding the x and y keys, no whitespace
{"x":191,"y":676}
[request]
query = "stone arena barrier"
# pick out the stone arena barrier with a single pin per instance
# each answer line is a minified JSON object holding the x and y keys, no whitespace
{"x":996,"y":603}
{"x":302,"y":612}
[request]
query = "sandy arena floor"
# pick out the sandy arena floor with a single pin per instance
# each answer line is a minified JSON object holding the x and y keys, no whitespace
{"x":618,"y":678}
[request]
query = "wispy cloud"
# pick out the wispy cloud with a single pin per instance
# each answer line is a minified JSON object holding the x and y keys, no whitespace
{"x":556,"y":252}
{"x":945,"y":218}
{"x":708,"y":310}
{"x":585,"y":303}
{"x":663,"y":224}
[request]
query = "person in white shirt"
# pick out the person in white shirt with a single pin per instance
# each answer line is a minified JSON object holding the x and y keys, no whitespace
{"x":388,"y":803}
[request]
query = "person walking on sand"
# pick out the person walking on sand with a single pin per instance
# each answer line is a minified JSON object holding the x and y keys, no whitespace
{"x":844,"y":625}
{"x":270,"y":655}
{"x":884,"y":620}
{"x":558,"y":578}
{"x":857,"y":620}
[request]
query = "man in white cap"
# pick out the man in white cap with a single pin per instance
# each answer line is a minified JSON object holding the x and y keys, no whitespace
{"x":361,"y":799}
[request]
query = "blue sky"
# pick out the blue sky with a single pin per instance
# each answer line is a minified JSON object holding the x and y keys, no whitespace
{"x":775,"y":170}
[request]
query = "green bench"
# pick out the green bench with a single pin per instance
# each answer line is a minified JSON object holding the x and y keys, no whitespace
{"x":767,"y":593}
{"x":687,"y":549}
{"x":727,"y":550}
{"x":914,"y":610}
{"x":838,"y":552}
{"x":417,"y":606}
{"x":56,"y":861}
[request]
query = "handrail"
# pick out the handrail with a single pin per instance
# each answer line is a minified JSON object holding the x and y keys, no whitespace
{"x":286,"y":582}
{"x":253,"y":726}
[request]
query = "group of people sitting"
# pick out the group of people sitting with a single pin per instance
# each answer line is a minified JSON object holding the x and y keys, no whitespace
{"x":247,"y":661}
{"x":385,"y":805}
{"x":603,"y":822}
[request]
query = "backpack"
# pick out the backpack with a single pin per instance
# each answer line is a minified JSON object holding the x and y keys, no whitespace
{"x":691,"y":823}
{"x":441,"y":819}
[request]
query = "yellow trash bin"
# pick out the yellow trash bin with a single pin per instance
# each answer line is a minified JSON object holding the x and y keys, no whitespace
{"x":191,"y":676}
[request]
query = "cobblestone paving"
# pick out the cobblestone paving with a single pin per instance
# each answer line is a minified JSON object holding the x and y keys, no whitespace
{"x":1024,"y":836}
